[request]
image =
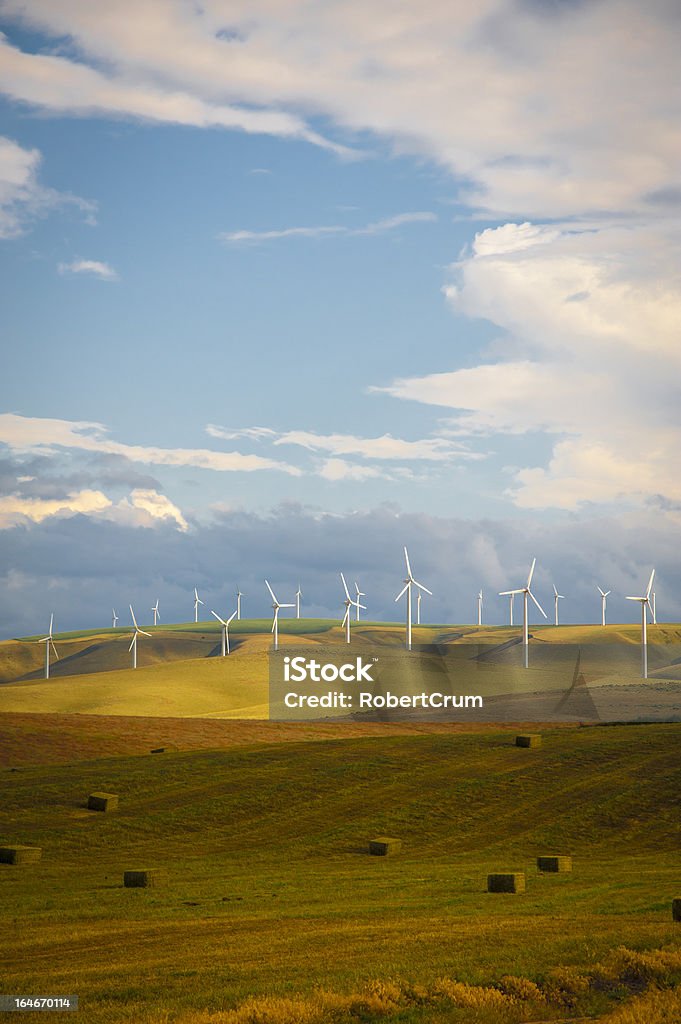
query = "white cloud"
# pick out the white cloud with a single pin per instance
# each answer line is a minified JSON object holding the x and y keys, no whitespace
{"x":339,"y":469}
{"x":38,"y":435}
{"x":94,"y":267}
{"x":14,"y":509}
{"x":542,"y":110}
{"x":146,"y":508}
{"x":22,"y":197}
{"x":378,"y":227}
{"x":589,"y":354}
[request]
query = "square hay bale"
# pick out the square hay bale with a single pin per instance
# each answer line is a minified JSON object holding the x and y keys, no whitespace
{"x":20,"y":854}
{"x":676,"y":910}
{"x":384,"y":846}
{"x":140,"y":879}
{"x":512,"y":882}
{"x":530,"y":739}
{"x":554,"y":863}
{"x":102,"y":802}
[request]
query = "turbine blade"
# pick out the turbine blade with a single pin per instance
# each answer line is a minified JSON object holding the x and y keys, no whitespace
{"x":555,"y":592}
{"x":406,"y":558}
{"x":650,"y":585}
{"x":637,"y":599}
{"x":134,"y":635}
{"x":287,"y":606}
{"x":345,"y":617}
{"x":51,"y":621}
{"x":230,"y":618}
{"x":54,"y":648}
{"x":600,"y":591}
{"x":421,"y":587}
{"x":143,"y":633}
{"x":133,"y":617}
{"x":529,"y":578}
{"x":218,"y":617}
{"x":402,"y":591}
{"x":537,"y":603}
{"x":506,"y":593}
{"x":607,"y":592}
{"x":271,"y":591}
{"x":363,"y":606}
{"x":345,"y":586}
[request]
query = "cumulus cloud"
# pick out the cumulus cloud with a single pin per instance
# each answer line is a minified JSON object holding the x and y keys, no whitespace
{"x":378,"y":227}
{"x":22,"y":196}
{"x":93,"y":267}
{"x":146,"y":508}
{"x":14,"y":509}
{"x":588,"y":353}
{"x":44,"y":436}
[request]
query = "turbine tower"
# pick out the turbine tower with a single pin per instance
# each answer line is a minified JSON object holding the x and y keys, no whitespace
{"x":133,"y":643}
{"x":114,"y":618}
{"x":525,"y":591}
{"x":360,"y":593}
{"x":239,"y":595}
{"x":49,"y":642}
{"x":225,"y":631}
{"x":349,"y":603}
{"x":299,"y":594}
{"x":645,"y":603}
{"x":275,"y":621}
{"x":410,"y":582}
{"x":418,"y":608}
{"x":480,"y":607}
{"x":197,"y":602}
{"x":155,"y":611}
{"x":604,"y":594}
{"x":556,"y":598}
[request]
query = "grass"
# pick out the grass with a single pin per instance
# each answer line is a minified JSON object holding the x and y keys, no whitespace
{"x":270,"y":893}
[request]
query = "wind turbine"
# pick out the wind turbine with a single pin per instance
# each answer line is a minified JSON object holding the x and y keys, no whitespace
{"x":49,"y":642}
{"x":360,"y":593}
{"x":349,"y":603}
{"x":480,"y":607}
{"x":556,"y":598}
{"x":645,"y":603}
{"x":299,"y":594}
{"x":604,"y":594}
{"x":408,"y":584}
{"x":114,"y":618}
{"x":155,"y":611}
{"x":133,"y":643}
{"x":225,"y":631}
{"x":197,"y":602}
{"x":239,"y":595}
{"x":275,"y":621}
{"x":525,"y":591}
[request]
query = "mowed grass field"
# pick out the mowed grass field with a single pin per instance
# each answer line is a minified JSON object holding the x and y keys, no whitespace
{"x":268,"y":893}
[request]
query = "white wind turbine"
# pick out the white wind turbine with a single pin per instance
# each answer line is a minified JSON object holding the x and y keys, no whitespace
{"x":225,"y":631}
{"x":604,"y":594}
{"x":408,"y":584}
{"x":155,"y":611}
{"x":49,"y":642}
{"x":645,"y":603}
{"x":239,"y":595}
{"x":349,"y":603}
{"x":525,"y":591}
{"x":275,"y":621}
{"x":299,"y":594}
{"x":133,"y":643}
{"x":360,"y":593}
{"x":197,"y":602}
{"x":480,"y":607}
{"x":556,"y":598}
{"x":114,"y":618}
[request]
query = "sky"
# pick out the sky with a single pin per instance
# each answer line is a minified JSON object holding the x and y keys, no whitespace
{"x":287,"y":286}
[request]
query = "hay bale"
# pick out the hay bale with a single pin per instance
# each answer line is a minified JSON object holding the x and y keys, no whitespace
{"x":102,"y":802}
{"x":554,"y":863}
{"x":512,"y":882}
{"x":384,"y":846}
{"x":676,"y":910}
{"x":158,"y":750}
{"x":530,"y":739}
{"x":140,"y":879}
{"x":20,"y":854}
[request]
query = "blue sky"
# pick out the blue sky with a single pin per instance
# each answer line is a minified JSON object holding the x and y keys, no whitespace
{"x":337,"y":273}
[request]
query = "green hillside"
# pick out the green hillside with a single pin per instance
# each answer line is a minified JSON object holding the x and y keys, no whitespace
{"x":268,"y":890}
